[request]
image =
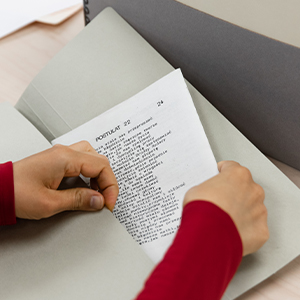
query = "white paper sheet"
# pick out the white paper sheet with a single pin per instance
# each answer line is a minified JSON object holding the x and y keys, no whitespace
{"x":60,"y":16}
{"x":158,"y":149}
{"x":14,"y":14}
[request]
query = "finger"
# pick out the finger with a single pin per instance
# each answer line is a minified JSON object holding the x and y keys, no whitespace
{"x":225,"y":164}
{"x":259,"y":192}
{"x":106,"y":181}
{"x":108,"y":186}
{"x":76,"y":199}
{"x":84,"y":146}
{"x":88,"y":165}
{"x":110,"y":194}
{"x":94,"y":166}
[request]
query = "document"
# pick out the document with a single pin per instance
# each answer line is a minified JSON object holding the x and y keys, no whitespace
{"x":158,"y":150}
{"x":15,"y":14}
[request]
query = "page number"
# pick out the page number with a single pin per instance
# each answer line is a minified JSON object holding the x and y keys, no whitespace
{"x":160,"y":103}
{"x":126,"y":123}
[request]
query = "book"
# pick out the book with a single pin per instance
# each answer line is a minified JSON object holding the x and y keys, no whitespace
{"x":158,"y":150}
{"x":245,"y":75}
{"x":77,"y":255}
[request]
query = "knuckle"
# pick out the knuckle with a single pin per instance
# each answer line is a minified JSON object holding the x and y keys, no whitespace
{"x":231,"y":163}
{"x":60,"y":151}
{"x":244,"y":172}
{"x":86,"y":145}
{"x":259,"y":192}
{"x":265,"y":211}
{"x":78,"y":200}
{"x":58,"y":147}
{"x":105,"y":158}
{"x":241,"y":174}
{"x":261,"y":212}
{"x":265,"y":234}
{"x":64,"y":156}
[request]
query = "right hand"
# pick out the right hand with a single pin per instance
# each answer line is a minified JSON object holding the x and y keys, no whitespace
{"x":235,"y":192}
{"x":37,"y":177}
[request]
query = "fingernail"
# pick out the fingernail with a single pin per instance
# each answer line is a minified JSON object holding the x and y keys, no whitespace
{"x":97,"y":202}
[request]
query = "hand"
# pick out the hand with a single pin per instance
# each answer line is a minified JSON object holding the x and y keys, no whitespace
{"x":36,"y":179}
{"x":234,"y":191}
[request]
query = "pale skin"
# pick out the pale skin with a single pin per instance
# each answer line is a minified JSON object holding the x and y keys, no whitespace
{"x":37,"y":178}
{"x":235,"y":192}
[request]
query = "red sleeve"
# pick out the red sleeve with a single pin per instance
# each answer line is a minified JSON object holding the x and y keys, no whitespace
{"x":7,"y":195}
{"x":202,"y":260}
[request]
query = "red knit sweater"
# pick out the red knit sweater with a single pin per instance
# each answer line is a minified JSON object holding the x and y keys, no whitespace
{"x":7,"y":196}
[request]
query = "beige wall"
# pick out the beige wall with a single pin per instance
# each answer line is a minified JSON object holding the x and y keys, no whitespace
{"x":277,"y":19}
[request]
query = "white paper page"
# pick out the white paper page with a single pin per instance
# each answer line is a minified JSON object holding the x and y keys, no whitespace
{"x":60,"y":16}
{"x":15,"y":14}
{"x":157,"y":147}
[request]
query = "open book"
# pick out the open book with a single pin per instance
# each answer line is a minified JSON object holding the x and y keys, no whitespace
{"x":83,"y":255}
{"x":158,"y":150}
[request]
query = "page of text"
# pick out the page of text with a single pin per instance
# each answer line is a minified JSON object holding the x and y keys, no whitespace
{"x":157,"y":148}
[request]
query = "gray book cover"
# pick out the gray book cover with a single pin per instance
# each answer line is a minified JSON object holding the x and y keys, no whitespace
{"x":107,"y":63}
{"x":251,"y":79}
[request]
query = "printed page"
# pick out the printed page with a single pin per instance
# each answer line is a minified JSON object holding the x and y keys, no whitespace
{"x":158,"y":150}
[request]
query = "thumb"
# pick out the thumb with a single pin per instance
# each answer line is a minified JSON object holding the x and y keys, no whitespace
{"x":78,"y":199}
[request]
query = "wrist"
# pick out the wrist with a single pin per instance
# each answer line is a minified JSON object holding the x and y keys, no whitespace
{"x":7,"y":197}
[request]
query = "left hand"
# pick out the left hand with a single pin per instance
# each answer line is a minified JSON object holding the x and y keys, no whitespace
{"x":36,"y":179}
{"x":234,"y":191}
